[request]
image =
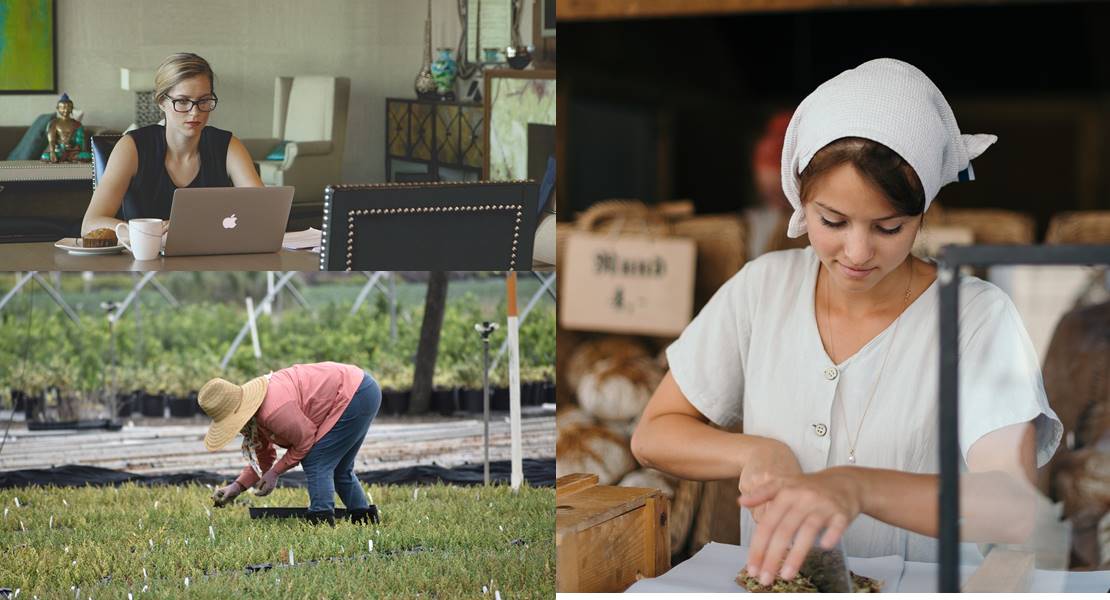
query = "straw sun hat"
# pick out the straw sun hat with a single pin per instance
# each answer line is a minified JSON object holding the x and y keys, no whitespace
{"x":230,"y":407}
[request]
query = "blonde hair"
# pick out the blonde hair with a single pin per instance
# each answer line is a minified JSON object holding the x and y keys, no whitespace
{"x":177,"y":68}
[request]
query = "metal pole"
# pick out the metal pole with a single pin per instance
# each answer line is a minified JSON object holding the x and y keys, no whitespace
{"x":372,"y":281}
{"x":485,"y":400}
{"x":516,"y":452}
{"x":550,"y":291}
{"x":139,"y":321}
{"x":547,"y":283}
{"x":133,"y":295}
{"x":485,"y":328}
{"x":246,"y":326}
{"x":392,"y":306}
{"x":949,"y":502}
{"x":113,"y":394}
{"x":54,"y":294}
{"x":165,"y":292}
{"x":58,"y":299}
{"x":267,"y":307}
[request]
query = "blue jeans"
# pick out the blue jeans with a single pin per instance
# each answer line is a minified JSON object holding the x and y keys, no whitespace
{"x":330,"y":466}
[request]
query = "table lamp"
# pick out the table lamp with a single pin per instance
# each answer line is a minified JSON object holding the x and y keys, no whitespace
{"x":142,"y":83}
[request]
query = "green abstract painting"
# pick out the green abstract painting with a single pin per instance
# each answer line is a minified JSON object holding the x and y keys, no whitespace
{"x":27,"y":62}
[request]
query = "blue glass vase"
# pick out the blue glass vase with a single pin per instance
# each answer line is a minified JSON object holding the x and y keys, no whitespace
{"x":444,"y":71}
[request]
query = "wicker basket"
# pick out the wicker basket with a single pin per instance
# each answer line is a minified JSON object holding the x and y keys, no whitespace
{"x":621,"y":216}
{"x":1083,"y":227}
{"x":989,"y":225}
{"x":722,"y":249}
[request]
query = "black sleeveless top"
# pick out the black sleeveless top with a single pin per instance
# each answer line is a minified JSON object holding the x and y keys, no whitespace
{"x":150,"y":194}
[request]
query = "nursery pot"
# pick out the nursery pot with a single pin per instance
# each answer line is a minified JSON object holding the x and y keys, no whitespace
{"x":548,"y":393}
{"x":499,"y":399}
{"x":531,"y":393}
{"x":33,"y":407}
{"x":471,"y":401}
{"x":183,"y":406}
{"x":154,"y":405}
{"x":395,"y":402}
{"x":445,"y":402}
{"x":19,"y":401}
{"x":125,"y":405}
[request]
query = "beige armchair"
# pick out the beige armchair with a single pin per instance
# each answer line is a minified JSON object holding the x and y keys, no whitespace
{"x":310,"y":116}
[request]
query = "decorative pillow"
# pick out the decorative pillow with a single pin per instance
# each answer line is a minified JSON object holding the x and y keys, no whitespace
{"x":34,"y":140}
{"x":278,"y":153}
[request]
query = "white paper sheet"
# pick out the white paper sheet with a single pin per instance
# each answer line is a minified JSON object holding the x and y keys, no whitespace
{"x":922,"y":577}
{"x":714,"y":569}
{"x":715,"y":566}
{"x":299,"y":240}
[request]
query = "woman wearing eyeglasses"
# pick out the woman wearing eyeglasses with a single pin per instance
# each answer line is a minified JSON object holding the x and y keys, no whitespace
{"x":148,"y":164}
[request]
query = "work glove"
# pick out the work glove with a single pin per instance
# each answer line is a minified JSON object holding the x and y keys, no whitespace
{"x":267,"y":483}
{"x":226,"y":494}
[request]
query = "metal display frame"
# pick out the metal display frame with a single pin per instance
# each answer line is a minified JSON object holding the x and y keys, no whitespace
{"x":949,"y":261}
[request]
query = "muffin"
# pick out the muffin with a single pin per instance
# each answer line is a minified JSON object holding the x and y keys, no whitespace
{"x":99,"y":238}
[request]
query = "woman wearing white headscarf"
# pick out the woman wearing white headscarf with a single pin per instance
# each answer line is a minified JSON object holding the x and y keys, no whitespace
{"x":828,"y":354}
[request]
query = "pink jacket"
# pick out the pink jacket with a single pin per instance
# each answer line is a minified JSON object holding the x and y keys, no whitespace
{"x":302,"y":403}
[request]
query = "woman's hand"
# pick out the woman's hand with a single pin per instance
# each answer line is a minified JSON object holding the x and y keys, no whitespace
{"x":227,"y":493}
{"x":267,"y":483}
{"x":797,"y":509}
{"x":771,"y":461}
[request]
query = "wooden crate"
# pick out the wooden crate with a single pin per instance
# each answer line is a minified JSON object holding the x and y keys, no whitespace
{"x":607,"y":537}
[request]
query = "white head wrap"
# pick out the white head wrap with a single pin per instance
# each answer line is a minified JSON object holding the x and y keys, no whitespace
{"x":890,"y":102}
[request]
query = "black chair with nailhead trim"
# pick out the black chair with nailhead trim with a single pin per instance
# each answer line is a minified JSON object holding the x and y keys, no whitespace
{"x":450,"y":226}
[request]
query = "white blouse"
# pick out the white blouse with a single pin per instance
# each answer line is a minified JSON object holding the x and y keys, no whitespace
{"x":754,"y":355}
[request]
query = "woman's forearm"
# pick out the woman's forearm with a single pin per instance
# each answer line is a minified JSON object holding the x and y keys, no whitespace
{"x":995,"y":506}
{"x":905,"y":500}
{"x":688,"y":448}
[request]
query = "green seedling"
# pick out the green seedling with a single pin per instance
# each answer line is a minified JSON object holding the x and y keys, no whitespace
{"x":444,"y":545}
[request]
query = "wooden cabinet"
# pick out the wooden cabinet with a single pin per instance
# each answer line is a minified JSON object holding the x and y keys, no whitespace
{"x":435,"y":135}
{"x":607,"y":537}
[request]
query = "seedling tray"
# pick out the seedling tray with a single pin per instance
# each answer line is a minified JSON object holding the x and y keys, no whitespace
{"x":288,"y":513}
{"x":108,"y":424}
{"x":299,"y":513}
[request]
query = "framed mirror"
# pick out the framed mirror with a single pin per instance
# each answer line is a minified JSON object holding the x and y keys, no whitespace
{"x":485,"y":25}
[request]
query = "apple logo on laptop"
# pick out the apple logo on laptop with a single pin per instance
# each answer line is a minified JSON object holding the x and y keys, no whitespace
{"x":229,"y":223}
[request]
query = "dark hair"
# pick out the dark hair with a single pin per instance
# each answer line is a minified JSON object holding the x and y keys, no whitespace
{"x":876,"y":163}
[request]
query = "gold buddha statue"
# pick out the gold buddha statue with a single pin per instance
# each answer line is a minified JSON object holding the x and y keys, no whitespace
{"x":65,"y":136}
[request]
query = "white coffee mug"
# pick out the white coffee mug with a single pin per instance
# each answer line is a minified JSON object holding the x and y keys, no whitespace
{"x":145,"y":236}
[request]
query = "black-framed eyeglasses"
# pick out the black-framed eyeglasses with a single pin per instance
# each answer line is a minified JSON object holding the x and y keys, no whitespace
{"x":184,"y":105}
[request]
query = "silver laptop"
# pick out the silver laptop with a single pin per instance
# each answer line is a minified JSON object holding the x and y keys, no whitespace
{"x":227,"y":220}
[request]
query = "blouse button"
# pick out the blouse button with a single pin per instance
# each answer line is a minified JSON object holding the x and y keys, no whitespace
{"x":820,"y":429}
{"x":831,"y":373}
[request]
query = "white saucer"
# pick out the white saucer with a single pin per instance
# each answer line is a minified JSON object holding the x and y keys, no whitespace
{"x":72,"y":245}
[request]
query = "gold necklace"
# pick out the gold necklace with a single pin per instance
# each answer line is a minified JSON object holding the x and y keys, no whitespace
{"x":897,"y":320}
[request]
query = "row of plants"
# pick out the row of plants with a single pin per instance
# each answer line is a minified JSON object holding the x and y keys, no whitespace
{"x":170,"y":353}
{"x":435,"y":541}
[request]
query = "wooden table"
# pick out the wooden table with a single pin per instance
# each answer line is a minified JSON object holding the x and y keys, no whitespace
{"x":43,"y":256}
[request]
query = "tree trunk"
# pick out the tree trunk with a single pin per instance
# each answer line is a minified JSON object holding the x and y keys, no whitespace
{"x":434,"y":304}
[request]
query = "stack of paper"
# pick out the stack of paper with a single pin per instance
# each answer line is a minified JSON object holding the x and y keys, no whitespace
{"x":300,"y":240}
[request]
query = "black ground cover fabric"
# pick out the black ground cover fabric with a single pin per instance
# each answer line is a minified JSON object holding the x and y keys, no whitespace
{"x":537,"y":472}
